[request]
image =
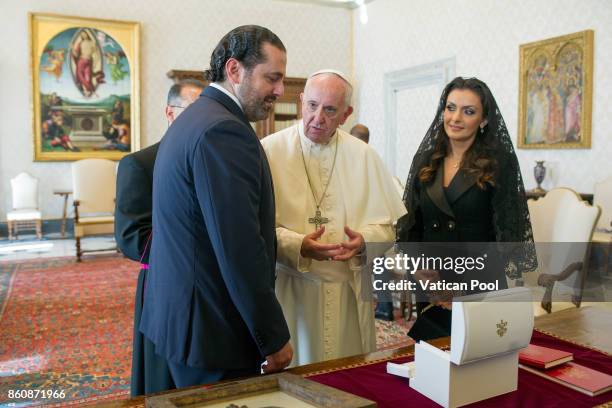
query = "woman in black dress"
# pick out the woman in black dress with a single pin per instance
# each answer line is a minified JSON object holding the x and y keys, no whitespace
{"x":465,"y":185}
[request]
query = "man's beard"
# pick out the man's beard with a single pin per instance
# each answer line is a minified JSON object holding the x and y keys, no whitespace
{"x":254,"y":107}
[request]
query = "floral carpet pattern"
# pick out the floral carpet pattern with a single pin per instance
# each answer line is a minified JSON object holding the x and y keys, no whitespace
{"x":66,"y":329}
{"x":393,"y":334}
{"x":65,"y":326}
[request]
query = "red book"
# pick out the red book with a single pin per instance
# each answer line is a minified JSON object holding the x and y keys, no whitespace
{"x":576,"y":377}
{"x":543,"y":357}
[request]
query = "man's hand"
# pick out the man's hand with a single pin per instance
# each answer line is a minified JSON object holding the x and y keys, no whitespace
{"x":279,"y":360}
{"x":312,"y":248}
{"x":352,"y":247}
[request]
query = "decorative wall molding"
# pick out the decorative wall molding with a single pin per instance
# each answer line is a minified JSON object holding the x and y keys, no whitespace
{"x":436,"y":73}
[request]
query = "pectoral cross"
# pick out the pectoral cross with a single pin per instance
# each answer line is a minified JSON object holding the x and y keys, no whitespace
{"x":318,"y":220}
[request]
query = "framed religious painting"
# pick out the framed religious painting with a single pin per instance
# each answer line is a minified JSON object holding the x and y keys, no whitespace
{"x":556,"y":91}
{"x":85,"y":87}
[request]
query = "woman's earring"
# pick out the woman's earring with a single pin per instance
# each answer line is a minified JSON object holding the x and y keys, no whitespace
{"x":482,"y":130}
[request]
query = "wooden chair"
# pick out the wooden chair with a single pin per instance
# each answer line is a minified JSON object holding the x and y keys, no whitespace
{"x":93,"y":185}
{"x":563,"y":226}
{"x":25,"y":213}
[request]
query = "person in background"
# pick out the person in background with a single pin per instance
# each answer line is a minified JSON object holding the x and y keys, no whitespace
{"x":361,"y":132}
{"x":133,"y":225}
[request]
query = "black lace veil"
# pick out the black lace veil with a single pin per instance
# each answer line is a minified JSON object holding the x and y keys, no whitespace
{"x":511,"y":215}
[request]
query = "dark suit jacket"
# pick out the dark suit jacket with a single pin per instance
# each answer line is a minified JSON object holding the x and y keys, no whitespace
{"x":209,"y":300}
{"x":134,"y":206}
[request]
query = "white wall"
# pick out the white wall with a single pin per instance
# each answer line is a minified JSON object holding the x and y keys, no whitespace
{"x":175,"y":35}
{"x":484,"y":36}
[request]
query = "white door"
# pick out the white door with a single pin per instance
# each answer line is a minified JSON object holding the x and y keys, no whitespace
{"x":411,"y":101}
{"x":416,"y":108}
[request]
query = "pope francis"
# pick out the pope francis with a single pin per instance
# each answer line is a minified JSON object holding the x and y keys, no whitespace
{"x":333,"y":194}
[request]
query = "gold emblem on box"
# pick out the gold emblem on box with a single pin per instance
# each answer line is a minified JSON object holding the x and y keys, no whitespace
{"x":502,"y":328}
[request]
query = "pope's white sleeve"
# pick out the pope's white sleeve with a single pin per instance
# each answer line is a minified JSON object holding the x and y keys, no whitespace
{"x":289,"y":248}
{"x":372,"y":233}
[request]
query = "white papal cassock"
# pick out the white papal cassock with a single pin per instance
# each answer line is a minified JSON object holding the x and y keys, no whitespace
{"x":322,"y":301}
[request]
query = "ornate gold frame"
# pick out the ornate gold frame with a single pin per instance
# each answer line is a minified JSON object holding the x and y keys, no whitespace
{"x":42,"y":28}
{"x":551,"y":49}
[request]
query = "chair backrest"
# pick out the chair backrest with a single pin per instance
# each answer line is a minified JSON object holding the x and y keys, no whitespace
{"x":93,"y":185}
{"x":561,"y":216}
{"x":602,"y":196}
{"x":25,"y":191}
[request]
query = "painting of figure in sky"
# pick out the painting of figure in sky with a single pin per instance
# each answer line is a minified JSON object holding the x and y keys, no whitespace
{"x":85,"y":93}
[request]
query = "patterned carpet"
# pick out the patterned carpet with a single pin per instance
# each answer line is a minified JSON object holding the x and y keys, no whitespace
{"x":67,"y":326}
{"x":393,"y":334}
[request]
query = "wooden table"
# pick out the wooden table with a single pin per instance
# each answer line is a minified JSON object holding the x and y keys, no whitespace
{"x":305,"y":369}
{"x":587,"y":325}
{"x":65,"y":194}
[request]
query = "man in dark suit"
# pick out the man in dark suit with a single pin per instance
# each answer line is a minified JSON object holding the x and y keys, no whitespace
{"x":210,"y":307}
{"x":133,"y":224}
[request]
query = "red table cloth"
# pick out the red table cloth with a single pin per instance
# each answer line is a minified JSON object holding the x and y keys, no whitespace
{"x":371,"y":381}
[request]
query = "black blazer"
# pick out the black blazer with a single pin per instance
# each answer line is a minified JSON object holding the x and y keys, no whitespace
{"x":463,"y":212}
{"x":460,"y":213}
{"x":209,"y":298}
{"x":134,"y":205}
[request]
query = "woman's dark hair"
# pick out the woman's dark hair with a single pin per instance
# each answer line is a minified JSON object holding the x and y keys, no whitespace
{"x":478,"y":161}
{"x":244,"y":44}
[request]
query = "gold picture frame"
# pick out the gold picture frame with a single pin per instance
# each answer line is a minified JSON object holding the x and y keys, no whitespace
{"x":85,"y":75}
{"x":267,"y":390}
{"x":556,"y":92}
